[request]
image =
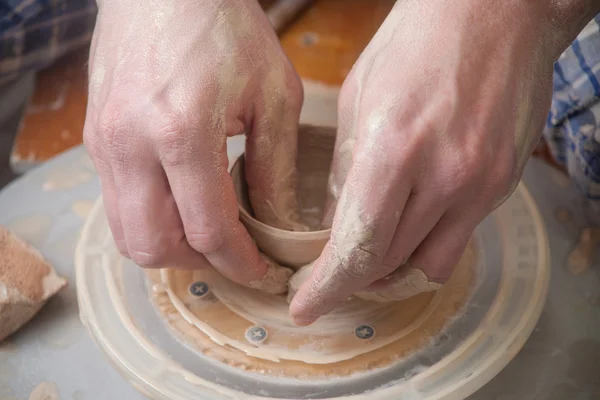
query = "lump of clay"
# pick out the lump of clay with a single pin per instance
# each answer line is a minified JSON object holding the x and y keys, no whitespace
{"x":275,"y":280}
{"x":27,"y":281}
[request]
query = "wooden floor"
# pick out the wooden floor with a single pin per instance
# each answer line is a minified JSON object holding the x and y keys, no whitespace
{"x":323,"y":44}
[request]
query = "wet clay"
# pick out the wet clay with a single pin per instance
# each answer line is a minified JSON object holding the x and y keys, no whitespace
{"x":293,"y":248}
{"x":300,"y":249}
{"x":472,"y":347}
{"x":275,"y":280}
{"x":215,"y":325}
{"x":27,"y":281}
{"x":214,"y":315}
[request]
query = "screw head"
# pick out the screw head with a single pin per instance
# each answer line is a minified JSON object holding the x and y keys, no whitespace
{"x":309,"y":39}
{"x":364,"y":332}
{"x":199,"y":289}
{"x":256,"y":334}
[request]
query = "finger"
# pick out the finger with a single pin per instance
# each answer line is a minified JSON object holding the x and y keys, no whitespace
{"x":365,"y":221}
{"x":204,"y":195}
{"x":405,"y":282}
{"x":422,"y":212}
{"x":271,"y":150}
{"x":431,"y":264}
{"x":151,"y":224}
{"x":111,"y":208}
{"x":344,"y":147}
{"x":101,"y":160}
{"x":442,"y":249}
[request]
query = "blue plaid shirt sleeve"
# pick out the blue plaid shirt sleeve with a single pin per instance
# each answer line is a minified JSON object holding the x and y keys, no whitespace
{"x":573,"y":127}
{"x":34,"y":33}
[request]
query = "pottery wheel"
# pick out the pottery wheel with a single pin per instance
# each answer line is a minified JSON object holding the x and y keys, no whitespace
{"x":196,"y":335}
{"x":251,"y":330}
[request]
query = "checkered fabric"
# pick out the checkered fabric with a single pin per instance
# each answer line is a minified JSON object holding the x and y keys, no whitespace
{"x":573,"y":127}
{"x":34,"y":33}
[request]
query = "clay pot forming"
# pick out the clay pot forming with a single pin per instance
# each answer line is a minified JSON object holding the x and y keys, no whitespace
{"x":294,"y":249}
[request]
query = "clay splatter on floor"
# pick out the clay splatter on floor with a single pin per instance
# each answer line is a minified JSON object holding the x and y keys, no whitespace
{"x":581,"y":257}
{"x":563,"y":214}
{"x":45,"y":391}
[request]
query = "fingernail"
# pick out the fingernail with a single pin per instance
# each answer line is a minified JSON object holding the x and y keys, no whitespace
{"x":303,"y":322}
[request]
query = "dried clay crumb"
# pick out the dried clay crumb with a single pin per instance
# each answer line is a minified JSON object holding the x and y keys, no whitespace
{"x":563,"y":214}
{"x":582,"y":256}
{"x":45,"y":391}
{"x":275,"y":280}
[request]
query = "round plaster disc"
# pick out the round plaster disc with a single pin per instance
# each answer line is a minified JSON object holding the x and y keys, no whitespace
{"x":505,"y":297}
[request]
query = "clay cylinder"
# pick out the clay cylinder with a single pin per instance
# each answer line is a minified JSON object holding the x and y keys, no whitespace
{"x":294,"y":249}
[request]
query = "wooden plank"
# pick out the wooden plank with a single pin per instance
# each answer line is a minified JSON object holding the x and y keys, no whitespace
{"x":327,"y":40}
{"x":53,"y":121}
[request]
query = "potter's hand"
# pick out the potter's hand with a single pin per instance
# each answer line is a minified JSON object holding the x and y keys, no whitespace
{"x":169,"y":82}
{"x":437,"y":119}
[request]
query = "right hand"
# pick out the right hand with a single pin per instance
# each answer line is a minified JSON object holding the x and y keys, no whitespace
{"x":169,"y":82}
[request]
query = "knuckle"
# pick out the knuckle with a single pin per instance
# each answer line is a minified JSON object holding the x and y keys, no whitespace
{"x":285,"y":105}
{"x":92,"y":143}
{"x":505,"y":176}
{"x":114,"y":129}
{"x":207,"y":240}
{"x":463,"y":176}
{"x":112,"y":125}
{"x":171,"y":141}
{"x":348,"y":89}
{"x":467,"y":168}
{"x":502,"y":180}
{"x":169,"y":131}
{"x":296,"y":100}
{"x":149,"y":257}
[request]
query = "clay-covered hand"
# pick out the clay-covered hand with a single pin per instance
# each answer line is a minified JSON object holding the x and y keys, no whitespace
{"x":437,"y":119}
{"x":169,"y":82}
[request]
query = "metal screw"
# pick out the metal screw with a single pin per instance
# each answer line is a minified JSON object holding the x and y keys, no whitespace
{"x":199,"y":289}
{"x":364,"y":332}
{"x":256,"y":334}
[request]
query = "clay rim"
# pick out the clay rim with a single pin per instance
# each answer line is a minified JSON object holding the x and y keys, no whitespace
{"x":281,"y":233}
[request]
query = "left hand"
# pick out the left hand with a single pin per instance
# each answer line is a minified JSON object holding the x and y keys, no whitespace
{"x":437,"y":120}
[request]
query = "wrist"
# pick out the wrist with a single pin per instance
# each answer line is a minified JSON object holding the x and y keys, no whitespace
{"x":567,"y":18}
{"x":554,"y":24}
